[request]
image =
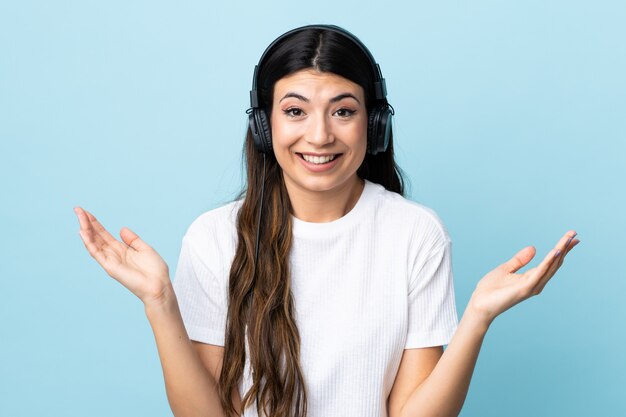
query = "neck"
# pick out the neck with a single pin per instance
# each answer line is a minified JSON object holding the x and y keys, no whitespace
{"x":324,"y":206}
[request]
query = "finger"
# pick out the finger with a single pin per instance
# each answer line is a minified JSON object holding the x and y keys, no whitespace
{"x":133,"y":240}
{"x":104,"y":234}
{"x":87,"y":231}
{"x":97,"y":242}
{"x":570,"y":246}
{"x":544,"y":276}
{"x":94,"y":250}
{"x":561,"y":249}
{"x":535,"y":274}
{"x":544,"y":280}
{"x":552,"y":258}
{"x":564,"y":242}
{"x":561,"y":257}
{"x":83,"y":220}
{"x":519,"y":260}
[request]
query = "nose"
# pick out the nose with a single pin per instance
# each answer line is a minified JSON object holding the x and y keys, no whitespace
{"x":319,"y":131}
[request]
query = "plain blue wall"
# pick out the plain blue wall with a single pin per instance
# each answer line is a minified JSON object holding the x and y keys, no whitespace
{"x":510,"y":122}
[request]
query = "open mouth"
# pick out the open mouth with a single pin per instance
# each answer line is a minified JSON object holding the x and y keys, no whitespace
{"x":319,"y":160}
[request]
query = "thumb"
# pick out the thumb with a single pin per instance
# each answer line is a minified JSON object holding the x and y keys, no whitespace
{"x":133,"y":240}
{"x":519,"y":260}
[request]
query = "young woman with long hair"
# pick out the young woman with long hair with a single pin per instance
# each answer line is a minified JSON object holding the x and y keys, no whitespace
{"x":321,"y":291}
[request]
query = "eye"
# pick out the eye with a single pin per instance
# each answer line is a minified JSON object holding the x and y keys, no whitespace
{"x":345,"y":112}
{"x":293,"y":112}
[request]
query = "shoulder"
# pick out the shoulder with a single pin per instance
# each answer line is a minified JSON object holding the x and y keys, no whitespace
{"x":213,"y":227}
{"x":399,"y":213}
{"x":214,"y":218}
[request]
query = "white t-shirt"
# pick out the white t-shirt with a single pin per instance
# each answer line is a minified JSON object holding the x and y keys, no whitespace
{"x":365,"y":287}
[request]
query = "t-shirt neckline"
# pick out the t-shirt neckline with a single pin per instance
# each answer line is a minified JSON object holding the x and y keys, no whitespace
{"x":311,"y":229}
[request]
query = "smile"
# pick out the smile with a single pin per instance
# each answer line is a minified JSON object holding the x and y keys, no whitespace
{"x":318,"y":159}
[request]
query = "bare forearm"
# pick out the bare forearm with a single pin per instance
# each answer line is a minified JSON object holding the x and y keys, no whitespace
{"x":191,"y":389}
{"x":443,"y":393}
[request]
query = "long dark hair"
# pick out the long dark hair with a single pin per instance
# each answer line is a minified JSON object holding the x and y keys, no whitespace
{"x":278,"y":386}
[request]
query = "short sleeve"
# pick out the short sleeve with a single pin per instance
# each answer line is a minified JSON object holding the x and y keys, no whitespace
{"x":201,"y":296}
{"x":432,"y":316}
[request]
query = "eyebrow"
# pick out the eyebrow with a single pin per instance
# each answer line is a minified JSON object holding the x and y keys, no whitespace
{"x":332,"y":100}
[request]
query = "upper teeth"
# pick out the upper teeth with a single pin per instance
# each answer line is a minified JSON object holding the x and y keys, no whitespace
{"x":318,"y":159}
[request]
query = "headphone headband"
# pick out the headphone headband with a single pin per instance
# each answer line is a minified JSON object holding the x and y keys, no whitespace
{"x":380,"y":88}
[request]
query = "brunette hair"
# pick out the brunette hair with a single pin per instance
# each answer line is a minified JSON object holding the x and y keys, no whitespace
{"x":267,"y":318}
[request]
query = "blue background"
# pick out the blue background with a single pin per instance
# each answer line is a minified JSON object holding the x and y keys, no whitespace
{"x":510,"y":122}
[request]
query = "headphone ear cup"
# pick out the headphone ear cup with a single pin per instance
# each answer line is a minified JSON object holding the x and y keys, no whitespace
{"x":379,"y":129}
{"x":261,"y":131}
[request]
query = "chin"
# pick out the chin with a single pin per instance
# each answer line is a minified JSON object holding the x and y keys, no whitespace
{"x":321,"y":184}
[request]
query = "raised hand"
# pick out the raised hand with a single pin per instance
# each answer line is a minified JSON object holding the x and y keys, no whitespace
{"x":503,"y":288}
{"x":132,"y":262}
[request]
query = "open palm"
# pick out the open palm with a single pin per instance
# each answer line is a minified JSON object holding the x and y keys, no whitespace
{"x":502,"y":288}
{"x":131,"y":261}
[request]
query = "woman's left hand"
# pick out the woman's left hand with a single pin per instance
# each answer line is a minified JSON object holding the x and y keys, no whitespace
{"x":502,"y":288}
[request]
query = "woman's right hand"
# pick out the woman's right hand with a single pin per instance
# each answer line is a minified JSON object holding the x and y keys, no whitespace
{"x":132,"y":262}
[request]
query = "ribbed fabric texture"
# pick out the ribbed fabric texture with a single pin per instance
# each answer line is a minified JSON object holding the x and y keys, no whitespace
{"x":366,"y":287}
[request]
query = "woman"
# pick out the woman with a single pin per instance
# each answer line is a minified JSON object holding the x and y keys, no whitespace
{"x":322,"y":291}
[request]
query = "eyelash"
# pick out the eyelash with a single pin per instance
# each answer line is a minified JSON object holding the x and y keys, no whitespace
{"x":290,"y":112}
{"x":349,"y":112}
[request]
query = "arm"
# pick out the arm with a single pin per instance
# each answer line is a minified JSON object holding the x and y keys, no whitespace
{"x":190,"y":376}
{"x":443,"y":391}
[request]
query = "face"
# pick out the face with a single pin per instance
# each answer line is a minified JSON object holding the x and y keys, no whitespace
{"x":319,"y":131}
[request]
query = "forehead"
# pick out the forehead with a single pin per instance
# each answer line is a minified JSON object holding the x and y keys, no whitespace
{"x":312,"y":83}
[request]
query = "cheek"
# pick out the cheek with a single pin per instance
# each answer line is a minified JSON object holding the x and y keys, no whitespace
{"x":281,"y":142}
{"x":283,"y":134}
{"x":358,"y":137}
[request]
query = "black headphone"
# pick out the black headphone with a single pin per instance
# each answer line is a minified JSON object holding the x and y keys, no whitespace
{"x":379,"y":120}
